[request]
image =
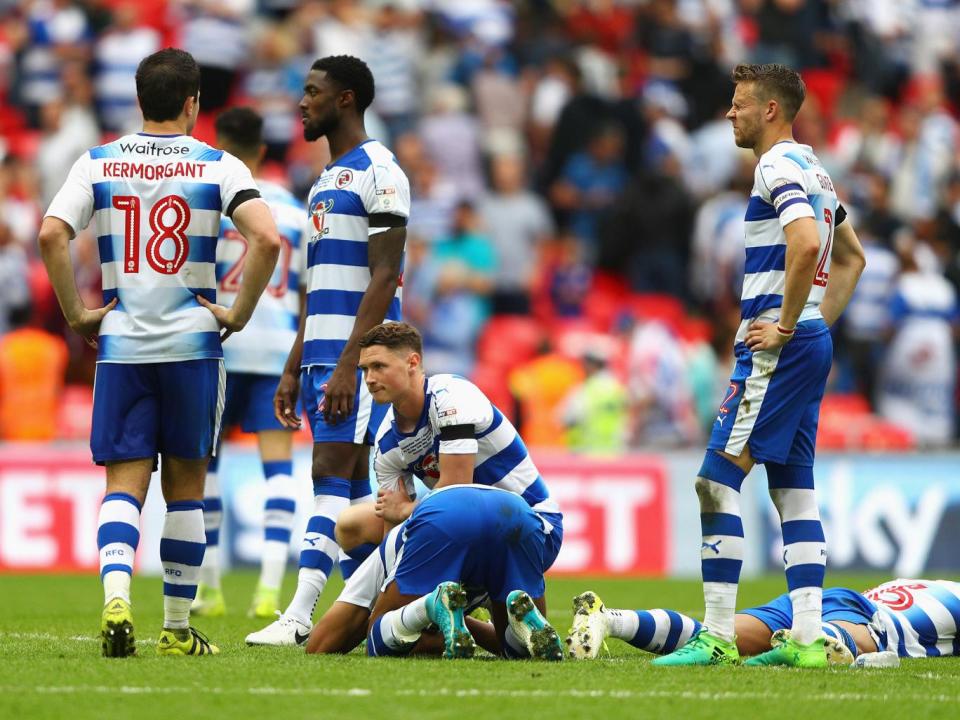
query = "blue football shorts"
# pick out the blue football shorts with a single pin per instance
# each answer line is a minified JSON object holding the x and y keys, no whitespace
{"x":359,"y":428}
{"x":483,"y":537}
{"x":250,"y":402}
{"x":773,"y":400}
{"x":172,"y":408}
{"x":838,"y":604}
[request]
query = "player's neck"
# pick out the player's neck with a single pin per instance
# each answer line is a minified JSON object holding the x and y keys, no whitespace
{"x":780,"y":135}
{"x":167,"y":127}
{"x":408,"y":409}
{"x":343,"y":139}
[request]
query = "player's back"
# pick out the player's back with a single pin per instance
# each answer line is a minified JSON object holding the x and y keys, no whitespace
{"x":921,"y":617}
{"x":789,"y":183}
{"x":262,"y":346}
{"x":156,"y":204}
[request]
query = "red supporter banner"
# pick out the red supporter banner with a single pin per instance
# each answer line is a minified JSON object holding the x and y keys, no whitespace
{"x":49,"y":503}
{"x":615,"y":513}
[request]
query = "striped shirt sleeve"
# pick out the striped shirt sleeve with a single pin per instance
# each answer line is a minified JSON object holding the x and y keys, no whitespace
{"x":784,"y":186}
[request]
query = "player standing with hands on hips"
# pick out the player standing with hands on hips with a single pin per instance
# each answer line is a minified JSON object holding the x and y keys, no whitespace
{"x":359,"y":208}
{"x":803,"y":261}
{"x":156,"y":198}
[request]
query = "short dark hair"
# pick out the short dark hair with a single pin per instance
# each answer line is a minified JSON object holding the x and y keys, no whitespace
{"x":164,"y":82}
{"x":349,"y":73}
{"x":394,"y":335}
{"x":783,"y":84}
{"x":242,"y":129}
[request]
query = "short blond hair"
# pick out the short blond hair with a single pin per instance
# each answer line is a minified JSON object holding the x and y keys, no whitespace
{"x":777,"y":81}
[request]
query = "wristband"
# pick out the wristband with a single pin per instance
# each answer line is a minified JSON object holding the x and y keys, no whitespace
{"x":783,"y":331}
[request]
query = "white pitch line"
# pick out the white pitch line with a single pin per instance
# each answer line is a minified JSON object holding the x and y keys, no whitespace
{"x":472,"y":693}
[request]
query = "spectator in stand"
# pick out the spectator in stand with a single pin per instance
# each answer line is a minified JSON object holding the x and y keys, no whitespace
{"x":14,"y":290}
{"x":19,"y":206}
{"x":918,"y":379}
{"x":925,"y":159}
{"x":68,"y":132}
{"x":57,"y":32}
{"x":215,"y":32}
{"x":273,"y":87}
{"x":461,"y":271}
{"x":590,"y":183}
{"x":662,"y":408}
{"x":568,"y":276}
{"x":552,"y":90}
{"x":646,"y":234}
{"x":518,"y":224}
{"x":340,"y":27}
{"x":451,"y":140}
{"x":595,"y":412}
{"x":393,"y":52}
{"x":116,"y":54}
{"x":868,"y":144}
{"x":32,"y":363}
{"x":786,"y":30}
{"x":715,"y":270}
{"x":432,"y":203}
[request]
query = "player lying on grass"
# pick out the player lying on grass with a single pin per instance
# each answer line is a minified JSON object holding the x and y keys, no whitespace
{"x":472,"y":540}
{"x":915,"y":618}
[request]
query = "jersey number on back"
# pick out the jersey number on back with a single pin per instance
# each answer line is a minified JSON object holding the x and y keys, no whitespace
{"x":231,"y":278}
{"x":169,"y":219}
{"x":821,"y":277}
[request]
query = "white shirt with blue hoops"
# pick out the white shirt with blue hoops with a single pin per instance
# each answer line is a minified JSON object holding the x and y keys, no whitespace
{"x":917,"y":618}
{"x":156,"y":202}
{"x":262,"y":347}
{"x":365,"y":181}
{"x":789,"y":183}
{"x":502,"y":458}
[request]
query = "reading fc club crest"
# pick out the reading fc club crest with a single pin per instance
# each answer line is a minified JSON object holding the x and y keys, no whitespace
{"x":319,"y":214}
{"x":344,"y":178}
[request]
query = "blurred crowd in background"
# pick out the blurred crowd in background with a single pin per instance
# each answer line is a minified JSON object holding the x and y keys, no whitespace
{"x":576,"y":237}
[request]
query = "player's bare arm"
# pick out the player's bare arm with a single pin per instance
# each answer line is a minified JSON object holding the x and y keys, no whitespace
{"x":285,"y":399}
{"x":803,"y":247}
{"x":393,"y":506}
{"x":54,"y":241}
{"x":385,"y":257}
{"x":255,"y":222}
{"x":456,"y":469}
{"x":846,"y":265}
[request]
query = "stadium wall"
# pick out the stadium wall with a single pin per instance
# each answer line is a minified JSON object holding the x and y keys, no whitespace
{"x":635,"y":515}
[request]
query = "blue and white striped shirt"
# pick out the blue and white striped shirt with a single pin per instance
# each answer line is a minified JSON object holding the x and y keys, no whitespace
{"x":156,"y":202}
{"x":365,"y":181}
{"x":918,"y":618}
{"x":263,"y":345}
{"x":789,"y":183}
{"x":502,"y":458}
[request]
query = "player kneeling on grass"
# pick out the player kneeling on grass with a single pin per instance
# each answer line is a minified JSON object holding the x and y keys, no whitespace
{"x":905,"y":618}
{"x":459,"y":541}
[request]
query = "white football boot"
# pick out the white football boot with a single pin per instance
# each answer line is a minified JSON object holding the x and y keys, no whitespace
{"x":285,"y":631}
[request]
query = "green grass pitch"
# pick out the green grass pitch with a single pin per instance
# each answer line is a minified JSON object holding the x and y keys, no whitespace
{"x":50,"y":667}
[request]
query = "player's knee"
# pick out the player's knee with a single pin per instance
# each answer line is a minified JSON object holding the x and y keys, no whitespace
{"x":708,"y":492}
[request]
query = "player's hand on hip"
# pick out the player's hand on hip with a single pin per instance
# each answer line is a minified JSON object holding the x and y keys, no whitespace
{"x":285,"y":401}
{"x":225,"y":317}
{"x":87,"y":325}
{"x":765,"y":336}
{"x":339,"y":393}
